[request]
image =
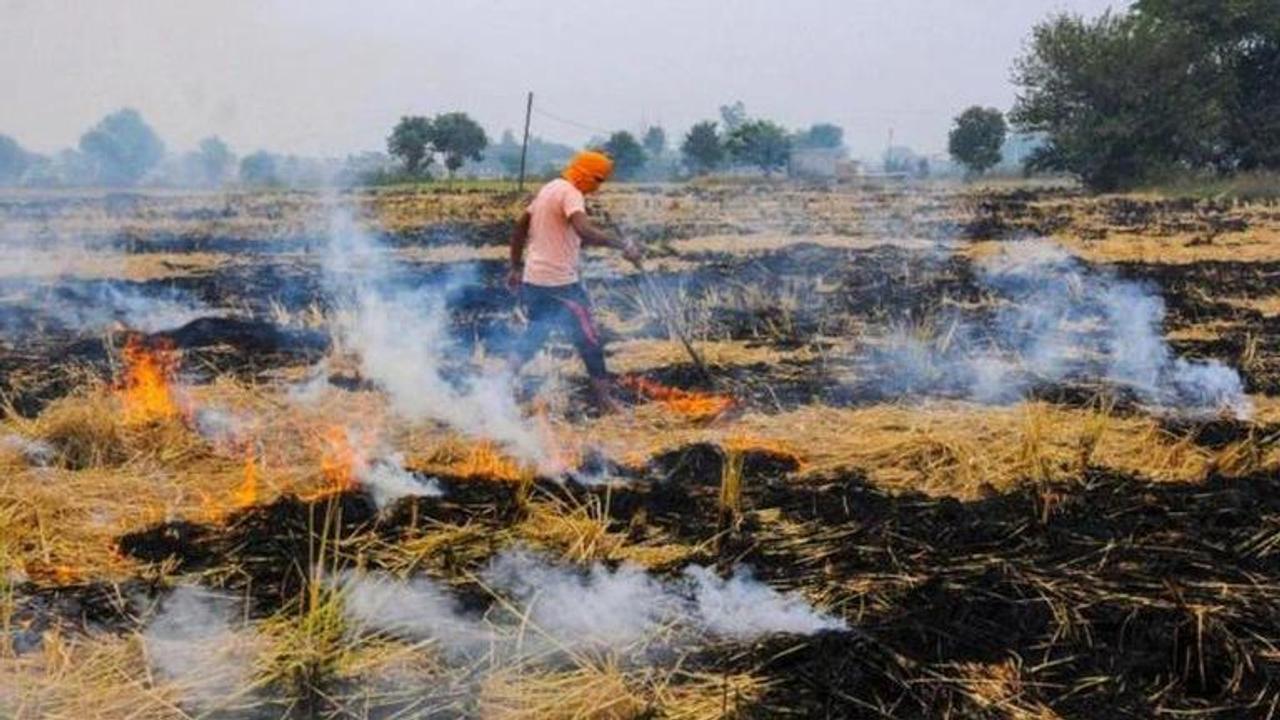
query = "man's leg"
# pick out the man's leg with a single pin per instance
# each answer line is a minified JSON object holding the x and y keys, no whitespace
{"x":586,"y":339}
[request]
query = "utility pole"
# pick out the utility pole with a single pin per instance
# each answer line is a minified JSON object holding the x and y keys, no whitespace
{"x":524,"y":149}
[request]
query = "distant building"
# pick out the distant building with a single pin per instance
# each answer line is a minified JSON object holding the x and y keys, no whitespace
{"x":822,"y":163}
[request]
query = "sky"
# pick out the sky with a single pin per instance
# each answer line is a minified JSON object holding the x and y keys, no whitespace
{"x":328,"y":78}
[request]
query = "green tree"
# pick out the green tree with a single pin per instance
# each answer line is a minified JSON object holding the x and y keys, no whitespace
{"x":14,"y":161}
{"x":1234,"y":48}
{"x":628,"y":156}
{"x":213,"y":160}
{"x":458,"y":138}
{"x":122,"y":148}
{"x":733,"y":116}
{"x":702,"y":148}
{"x":760,"y":143}
{"x":822,"y":136}
{"x":976,"y":139}
{"x":260,"y":168}
{"x":655,"y":141}
{"x":1118,"y":99}
{"x":410,"y":142}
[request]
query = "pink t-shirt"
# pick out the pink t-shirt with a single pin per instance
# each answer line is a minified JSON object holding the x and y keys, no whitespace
{"x":551,"y":256}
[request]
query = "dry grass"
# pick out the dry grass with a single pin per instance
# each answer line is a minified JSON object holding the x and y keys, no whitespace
{"x":943,"y":448}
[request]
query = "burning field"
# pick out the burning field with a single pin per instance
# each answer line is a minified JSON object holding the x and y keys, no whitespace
{"x":992,"y":453}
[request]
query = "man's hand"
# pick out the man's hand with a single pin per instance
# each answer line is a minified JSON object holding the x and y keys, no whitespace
{"x":632,"y":252}
{"x":514,"y":277}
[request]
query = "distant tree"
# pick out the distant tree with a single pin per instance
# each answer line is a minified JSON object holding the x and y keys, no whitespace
{"x":760,"y":143}
{"x":260,"y":168}
{"x":1122,"y":98}
{"x":213,"y":160}
{"x":410,"y":142}
{"x":702,"y":148}
{"x":458,"y":138}
{"x":976,"y":139}
{"x":14,"y":161}
{"x":122,"y":148}
{"x":628,"y":156}
{"x":900,"y":159}
{"x":655,"y":141}
{"x":822,"y":136}
{"x":733,"y":116}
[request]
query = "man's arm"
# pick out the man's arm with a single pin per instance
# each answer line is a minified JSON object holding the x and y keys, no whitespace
{"x":592,"y":234}
{"x":519,"y":238}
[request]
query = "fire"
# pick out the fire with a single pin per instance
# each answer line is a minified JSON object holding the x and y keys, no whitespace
{"x":247,"y":494}
{"x":691,"y":404}
{"x":146,"y":392}
{"x":339,"y":460}
{"x":484,"y":459}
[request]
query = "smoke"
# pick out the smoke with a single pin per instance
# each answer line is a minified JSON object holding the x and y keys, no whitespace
{"x":388,"y":481}
{"x":402,"y":338}
{"x":33,"y":452}
{"x":742,"y":608}
{"x":192,"y":642}
{"x":45,"y":283}
{"x":548,"y":608}
{"x":416,"y":609}
{"x":601,"y":607}
{"x":1056,"y":318}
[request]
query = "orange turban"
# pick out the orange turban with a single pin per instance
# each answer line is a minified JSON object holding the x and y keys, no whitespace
{"x":587,"y":170}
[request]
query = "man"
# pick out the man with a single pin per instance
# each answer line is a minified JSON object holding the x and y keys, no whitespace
{"x":545,"y":252}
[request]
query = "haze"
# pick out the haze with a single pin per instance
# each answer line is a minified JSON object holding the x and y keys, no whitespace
{"x":328,"y":78}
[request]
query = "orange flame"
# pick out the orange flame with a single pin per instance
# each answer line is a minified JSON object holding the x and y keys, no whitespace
{"x":485,"y":460}
{"x":338,"y":459}
{"x":247,"y":494}
{"x":691,"y":404}
{"x":146,"y":391}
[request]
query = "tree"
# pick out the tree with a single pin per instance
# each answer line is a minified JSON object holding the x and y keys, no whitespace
{"x":1118,"y":99}
{"x":459,"y":138}
{"x":976,"y":139}
{"x":821,"y":136}
{"x":702,"y":148}
{"x":213,"y":160}
{"x":122,"y":148}
{"x":761,"y":143}
{"x":655,"y":141}
{"x":628,"y":156}
{"x":733,"y":116}
{"x":260,"y":168}
{"x":14,"y":161}
{"x":410,"y":142}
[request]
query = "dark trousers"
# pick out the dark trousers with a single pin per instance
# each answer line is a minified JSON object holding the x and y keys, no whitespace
{"x":566,"y":308}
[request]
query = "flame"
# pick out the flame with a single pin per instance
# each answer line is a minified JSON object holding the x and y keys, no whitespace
{"x":146,"y":391}
{"x":485,"y":460}
{"x":247,"y":494}
{"x":691,"y":404}
{"x":338,"y":459}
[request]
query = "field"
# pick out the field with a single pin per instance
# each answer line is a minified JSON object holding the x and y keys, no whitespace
{"x":959,"y":451}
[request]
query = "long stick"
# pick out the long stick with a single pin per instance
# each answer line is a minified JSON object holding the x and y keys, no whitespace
{"x":673,"y":324}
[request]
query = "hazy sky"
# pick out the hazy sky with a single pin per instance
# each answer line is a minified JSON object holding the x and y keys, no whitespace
{"x":323,"y":77}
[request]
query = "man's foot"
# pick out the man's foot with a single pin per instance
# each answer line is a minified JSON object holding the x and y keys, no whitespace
{"x":602,"y":393}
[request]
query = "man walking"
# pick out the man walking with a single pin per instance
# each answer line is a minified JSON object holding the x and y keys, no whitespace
{"x":545,"y":255}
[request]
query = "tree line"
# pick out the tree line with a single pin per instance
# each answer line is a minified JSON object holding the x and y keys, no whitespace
{"x":1157,"y":92}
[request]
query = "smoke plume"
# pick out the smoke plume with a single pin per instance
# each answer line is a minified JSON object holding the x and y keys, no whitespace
{"x":193,"y":643}
{"x":1057,"y":319}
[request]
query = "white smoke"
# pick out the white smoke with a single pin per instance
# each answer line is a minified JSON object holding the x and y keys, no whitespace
{"x":33,"y":452}
{"x":1058,"y":318}
{"x":603,"y":607}
{"x":193,"y":643}
{"x":387,"y":481}
{"x":416,"y":608}
{"x":741,"y":608}
{"x":547,"y":609}
{"x":401,"y":335}
{"x":45,"y":282}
